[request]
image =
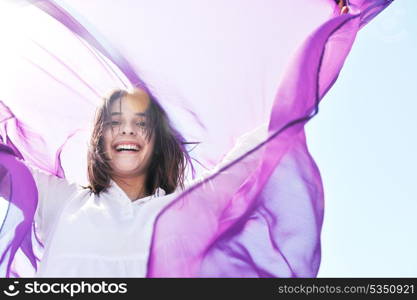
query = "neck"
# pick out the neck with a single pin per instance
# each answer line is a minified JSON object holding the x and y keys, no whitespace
{"x":134,"y":187}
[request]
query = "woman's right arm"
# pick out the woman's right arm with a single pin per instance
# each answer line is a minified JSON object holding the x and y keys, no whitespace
{"x":53,"y":193}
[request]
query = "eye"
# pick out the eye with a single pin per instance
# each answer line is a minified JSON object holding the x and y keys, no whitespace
{"x":114,"y":123}
{"x":142,"y":124}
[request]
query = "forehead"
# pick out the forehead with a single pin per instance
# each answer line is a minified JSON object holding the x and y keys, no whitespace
{"x":132,"y":103}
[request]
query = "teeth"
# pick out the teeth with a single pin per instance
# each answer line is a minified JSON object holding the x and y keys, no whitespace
{"x":127,"y":147}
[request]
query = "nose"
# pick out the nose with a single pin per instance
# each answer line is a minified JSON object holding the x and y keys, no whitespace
{"x":128,"y":130}
{"x":131,"y":132}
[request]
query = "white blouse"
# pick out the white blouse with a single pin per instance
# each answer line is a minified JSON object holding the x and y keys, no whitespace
{"x":86,"y":235}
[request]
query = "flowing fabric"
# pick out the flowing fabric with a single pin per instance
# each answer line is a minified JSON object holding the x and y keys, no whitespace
{"x":214,"y":67}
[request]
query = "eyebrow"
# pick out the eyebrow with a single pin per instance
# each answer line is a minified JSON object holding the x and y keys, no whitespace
{"x":138,"y":114}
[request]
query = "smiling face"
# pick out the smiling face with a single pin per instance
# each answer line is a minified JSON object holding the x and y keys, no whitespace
{"x":124,"y":136}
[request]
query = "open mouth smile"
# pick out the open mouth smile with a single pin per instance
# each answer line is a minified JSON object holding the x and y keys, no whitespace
{"x":127,"y":148}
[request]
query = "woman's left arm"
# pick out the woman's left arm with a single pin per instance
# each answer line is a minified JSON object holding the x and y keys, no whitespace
{"x":243,"y":144}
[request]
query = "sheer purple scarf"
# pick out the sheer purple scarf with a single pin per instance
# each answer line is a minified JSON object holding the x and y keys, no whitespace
{"x":259,"y":214}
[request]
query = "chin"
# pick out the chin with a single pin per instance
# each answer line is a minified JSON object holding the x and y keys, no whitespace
{"x":127,"y":170}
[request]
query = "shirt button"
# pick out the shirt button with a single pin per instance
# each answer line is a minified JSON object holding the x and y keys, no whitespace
{"x":127,"y":213}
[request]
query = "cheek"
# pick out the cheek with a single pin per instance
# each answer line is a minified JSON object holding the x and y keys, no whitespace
{"x":151,"y":146}
{"x":107,"y":139}
{"x":149,"y":152}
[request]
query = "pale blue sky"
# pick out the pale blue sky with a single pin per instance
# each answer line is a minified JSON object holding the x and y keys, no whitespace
{"x":364,"y":141}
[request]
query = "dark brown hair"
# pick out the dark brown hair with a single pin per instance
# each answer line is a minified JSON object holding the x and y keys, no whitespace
{"x":169,"y":158}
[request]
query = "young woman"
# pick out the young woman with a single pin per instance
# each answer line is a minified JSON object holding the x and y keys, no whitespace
{"x":136,"y":165}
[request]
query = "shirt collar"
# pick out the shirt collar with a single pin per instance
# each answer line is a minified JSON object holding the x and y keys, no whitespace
{"x":115,"y":191}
